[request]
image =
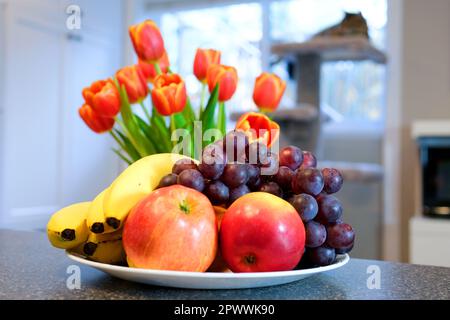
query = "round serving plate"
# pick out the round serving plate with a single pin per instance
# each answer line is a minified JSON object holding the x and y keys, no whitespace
{"x":208,"y":280}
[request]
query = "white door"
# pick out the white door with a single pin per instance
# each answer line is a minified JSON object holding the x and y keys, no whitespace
{"x":48,"y":157}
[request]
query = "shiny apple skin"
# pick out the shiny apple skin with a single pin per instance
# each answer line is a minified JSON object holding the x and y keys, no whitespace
{"x":159,"y":235}
{"x":261,"y":232}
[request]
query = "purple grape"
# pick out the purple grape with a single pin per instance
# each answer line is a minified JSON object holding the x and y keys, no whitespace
{"x":238,"y":192}
{"x":316,"y":234}
{"x":272,"y":165}
{"x":213,"y":162}
{"x":253,"y":172}
{"x":191,"y":178}
{"x":255,"y":185}
{"x":321,"y":256}
{"x":168,"y":180}
{"x":234,"y":175}
{"x":309,"y":180}
{"x":291,"y":157}
{"x":257,"y":153}
{"x":236,"y":145}
{"x":309,"y":160}
{"x":284,"y":177}
{"x":305,"y":205}
{"x":345,"y":250}
{"x":287,"y":195}
{"x":211,"y":171}
{"x":271,"y":187}
{"x":217,"y":192}
{"x":332,"y":180}
{"x":182,"y":165}
{"x":330,"y":209}
{"x":340,"y":236}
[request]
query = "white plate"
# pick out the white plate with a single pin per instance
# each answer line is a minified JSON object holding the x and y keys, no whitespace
{"x":208,"y":280}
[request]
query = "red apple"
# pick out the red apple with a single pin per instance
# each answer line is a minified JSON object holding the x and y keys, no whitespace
{"x":261,"y":232}
{"x":173,"y":228}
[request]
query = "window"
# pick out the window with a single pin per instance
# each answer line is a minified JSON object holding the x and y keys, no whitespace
{"x":349,"y":90}
{"x":185,"y":31}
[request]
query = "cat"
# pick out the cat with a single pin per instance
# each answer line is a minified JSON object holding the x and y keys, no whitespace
{"x":352,"y":24}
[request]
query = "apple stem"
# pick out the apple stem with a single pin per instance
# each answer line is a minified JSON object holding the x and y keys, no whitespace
{"x":184,"y":206}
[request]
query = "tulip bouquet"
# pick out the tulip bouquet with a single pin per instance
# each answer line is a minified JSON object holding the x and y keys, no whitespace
{"x":110,"y":104}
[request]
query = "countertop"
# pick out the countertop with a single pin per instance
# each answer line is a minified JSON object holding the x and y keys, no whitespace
{"x":31,"y":269}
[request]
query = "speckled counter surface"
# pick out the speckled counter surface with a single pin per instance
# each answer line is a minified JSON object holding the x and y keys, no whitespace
{"x":31,"y":269}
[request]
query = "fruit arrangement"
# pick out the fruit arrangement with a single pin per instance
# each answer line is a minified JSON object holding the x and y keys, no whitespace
{"x":227,"y":174}
{"x":241,"y":208}
{"x":237,"y":205}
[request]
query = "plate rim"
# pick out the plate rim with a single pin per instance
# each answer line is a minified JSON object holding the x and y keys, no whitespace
{"x":344,"y":259}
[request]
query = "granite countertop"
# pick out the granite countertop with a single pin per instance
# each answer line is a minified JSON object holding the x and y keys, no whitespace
{"x":31,"y":269}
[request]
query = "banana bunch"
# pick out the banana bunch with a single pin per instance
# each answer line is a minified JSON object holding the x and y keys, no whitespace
{"x":94,"y":229}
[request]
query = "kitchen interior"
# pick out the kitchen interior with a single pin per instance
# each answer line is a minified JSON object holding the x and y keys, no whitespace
{"x":373,"y":101}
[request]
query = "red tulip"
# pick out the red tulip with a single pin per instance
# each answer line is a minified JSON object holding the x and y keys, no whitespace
{"x":269,"y":89}
{"x":260,"y":127}
{"x":204,"y":58}
{"x":97,"y":123}
{"x":147,"y":41}
{"x":134,"y":82}
{"x":148,"y":69}
{"x":227,"y":79}
{"x":169,"y":94}
{"x":103,"y":97}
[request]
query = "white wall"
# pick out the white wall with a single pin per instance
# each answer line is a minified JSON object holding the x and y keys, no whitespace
{"x":419,"y":89}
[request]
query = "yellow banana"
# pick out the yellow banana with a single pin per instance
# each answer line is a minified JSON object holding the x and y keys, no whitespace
{"x":67,"y":228}
{"x":95,"y":218}
{"x":105,"y":248}
{"x":133,"y":184}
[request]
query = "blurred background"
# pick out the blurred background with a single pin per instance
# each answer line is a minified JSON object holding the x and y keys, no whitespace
{"x":376,"y":105}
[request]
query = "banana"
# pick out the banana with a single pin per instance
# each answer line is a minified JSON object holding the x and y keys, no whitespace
{"x":133,"y":184}
{"x":78,"y":249}
{"x":105,"y":248}
{"x":67,"y":228}
{"x":95,"y":218}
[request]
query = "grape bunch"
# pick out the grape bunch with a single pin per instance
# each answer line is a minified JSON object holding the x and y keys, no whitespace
{"x":232,"y":167}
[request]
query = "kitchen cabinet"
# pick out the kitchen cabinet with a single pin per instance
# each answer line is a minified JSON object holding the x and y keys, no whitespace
{"x":48,"y":157}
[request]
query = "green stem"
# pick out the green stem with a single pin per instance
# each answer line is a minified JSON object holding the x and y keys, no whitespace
{"x":128,"y":161}
{"x":147,"y":114}
{"x":221,"y":120}
{"x":157,"y":68}
{"x":117,"y":139}
{"x":129,"y":136}
{"x":172,"y":128}
{"x":202,"y":100}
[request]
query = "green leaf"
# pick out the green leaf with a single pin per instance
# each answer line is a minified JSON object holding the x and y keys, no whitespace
{"x":208,"y":116}
{"x":188,"y":111}
{"x":180,"y":121}
{"x":146,"y":129}
{"x":127,"y":146}
{"x":222,"y":118}
{"x":137,"y":138}
{"x":158,"y":122}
